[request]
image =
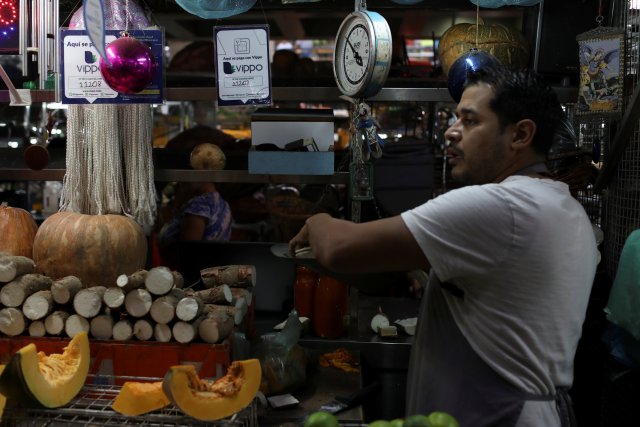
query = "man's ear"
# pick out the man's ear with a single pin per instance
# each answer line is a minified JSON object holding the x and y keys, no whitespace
{"x":523,"y":133}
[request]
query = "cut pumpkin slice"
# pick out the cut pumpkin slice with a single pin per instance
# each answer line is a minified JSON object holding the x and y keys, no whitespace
{"x":3,"y":400}
{"x":137,"y":398}
{"x":213,"y":400}
{"x":50,"y":380}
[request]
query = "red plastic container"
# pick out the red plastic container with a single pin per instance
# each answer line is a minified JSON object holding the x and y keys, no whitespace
{"x":111,"y":359}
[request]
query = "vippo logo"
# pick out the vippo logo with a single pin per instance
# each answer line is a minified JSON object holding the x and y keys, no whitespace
{"x":89,"y":57}
{"x":228,"y":68}
{"x":90,"y":66}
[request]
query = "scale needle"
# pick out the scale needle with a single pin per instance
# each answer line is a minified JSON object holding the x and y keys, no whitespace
{"x":356,"y":55}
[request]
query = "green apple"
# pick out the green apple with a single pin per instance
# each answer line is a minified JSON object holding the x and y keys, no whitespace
{"x":321,"y":419}
{"x":442,"y":419}
{"x":398,"y":422}
{"x":380,"y":423}
{"x":416,"y":421}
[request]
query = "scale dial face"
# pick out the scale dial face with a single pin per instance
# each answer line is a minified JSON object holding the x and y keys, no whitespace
{"x":356,"y":54}
{"x":362,"y":54}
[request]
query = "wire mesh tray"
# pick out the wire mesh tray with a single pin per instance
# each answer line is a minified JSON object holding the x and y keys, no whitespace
{"x":92,"y":407}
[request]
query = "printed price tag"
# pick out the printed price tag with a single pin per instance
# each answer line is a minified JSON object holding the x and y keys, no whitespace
{"x":242,"y":65}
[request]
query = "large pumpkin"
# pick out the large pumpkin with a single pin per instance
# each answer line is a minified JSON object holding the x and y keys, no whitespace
{"x":95,"y":248}
{"x":505,"y":43}
{"x":50,"y":380}
{"x":17,"y":228}
{"x":213,"y":400}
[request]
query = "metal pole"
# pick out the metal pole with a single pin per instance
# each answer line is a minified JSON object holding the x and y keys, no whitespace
{"x":24,"y":35}
{"x":42,"y":44}
{"x":536,"y":54}
{"x":33,"y":49}
{"x":55,"y":45}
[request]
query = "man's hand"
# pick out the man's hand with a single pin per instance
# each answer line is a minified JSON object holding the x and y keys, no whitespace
{"x":313,"y":228}
{"x":300,"y":240}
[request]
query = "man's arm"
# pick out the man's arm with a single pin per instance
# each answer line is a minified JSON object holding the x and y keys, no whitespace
{"x":348,"y":247}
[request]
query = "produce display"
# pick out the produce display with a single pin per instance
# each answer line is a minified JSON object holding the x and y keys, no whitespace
{"x":53,"y":381}
{"x":213,"y":400}
{"x":138,"y":305}
{"x":143,"y":305}
{"x":48,"y":380}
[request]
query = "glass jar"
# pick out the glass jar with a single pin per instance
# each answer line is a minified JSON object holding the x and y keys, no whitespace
{"x":330,"y":308}
{"x":304,"y":290}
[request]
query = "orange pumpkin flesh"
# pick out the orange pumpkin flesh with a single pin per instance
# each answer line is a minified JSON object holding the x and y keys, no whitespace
{"x":137,"y":398}
{"x":213,"y":400}
{"x":95,"y":248}
{"x":3,"y":400}
{"x":18,"y":229}
{"x":50,"y":380}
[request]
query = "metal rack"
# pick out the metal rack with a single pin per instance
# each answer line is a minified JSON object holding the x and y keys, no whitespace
{"x":92,"y":407}
{"x":309,"y":94}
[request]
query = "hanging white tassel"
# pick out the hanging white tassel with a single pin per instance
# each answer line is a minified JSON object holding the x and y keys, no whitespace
{"x":136,"y":125}
{"x":109,"y":148}
{"x":106,"y":160}
{"x":74,"y":195}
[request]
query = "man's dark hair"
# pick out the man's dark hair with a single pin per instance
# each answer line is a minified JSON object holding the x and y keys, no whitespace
{"x":522,"y":94}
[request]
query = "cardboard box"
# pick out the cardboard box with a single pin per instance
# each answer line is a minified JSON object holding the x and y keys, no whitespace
{"x":280,"y":126}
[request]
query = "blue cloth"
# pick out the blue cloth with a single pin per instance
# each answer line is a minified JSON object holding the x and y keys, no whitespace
{"x":624,"y":298}
{"x":208,"y":205}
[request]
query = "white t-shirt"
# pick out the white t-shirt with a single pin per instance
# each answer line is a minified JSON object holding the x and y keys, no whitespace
{"x":524,"y":253}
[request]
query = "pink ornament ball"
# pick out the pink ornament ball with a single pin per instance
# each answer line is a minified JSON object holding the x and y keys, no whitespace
{"x":132,"y":65}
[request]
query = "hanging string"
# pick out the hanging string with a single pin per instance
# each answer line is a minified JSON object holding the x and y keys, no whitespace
{"x":126,"y":14}
{"x":477,"y":22}
{"x":266,"y":21}
{"x":136,"y":134}
{"x":72,"y":197}
{"x":70,"y":15}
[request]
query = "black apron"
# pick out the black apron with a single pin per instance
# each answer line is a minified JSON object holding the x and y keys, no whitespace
{"x":447,"y":375}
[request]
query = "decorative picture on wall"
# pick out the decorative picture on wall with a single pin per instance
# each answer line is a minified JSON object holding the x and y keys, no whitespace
{"x":601,"y":53}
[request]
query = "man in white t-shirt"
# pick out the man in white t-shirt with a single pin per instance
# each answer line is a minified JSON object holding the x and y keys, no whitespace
{"x":512,"y":258}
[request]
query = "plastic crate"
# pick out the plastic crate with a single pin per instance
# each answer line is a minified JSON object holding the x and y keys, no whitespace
{"x":113,"y":359}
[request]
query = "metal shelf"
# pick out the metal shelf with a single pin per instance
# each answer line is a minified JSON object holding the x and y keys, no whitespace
{"x":280,"y":94}
{"x":167,"y":175}
{"x":309,"y":94}
{"x":36,"y":96}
